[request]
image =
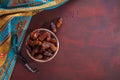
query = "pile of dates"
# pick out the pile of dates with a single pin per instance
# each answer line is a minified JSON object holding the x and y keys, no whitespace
{"x":42,"y":45}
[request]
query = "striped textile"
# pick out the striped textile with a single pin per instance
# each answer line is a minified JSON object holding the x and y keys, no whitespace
{"x":15,"y":16}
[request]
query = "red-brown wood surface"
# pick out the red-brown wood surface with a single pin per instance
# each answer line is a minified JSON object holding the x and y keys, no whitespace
{"x":89,"y":43}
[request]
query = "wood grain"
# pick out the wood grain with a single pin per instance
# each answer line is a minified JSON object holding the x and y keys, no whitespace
{"x":89,"y":43}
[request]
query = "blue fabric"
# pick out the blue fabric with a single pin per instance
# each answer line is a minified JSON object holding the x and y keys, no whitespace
{"x":13,"y":27}
{"x":11,"y":57}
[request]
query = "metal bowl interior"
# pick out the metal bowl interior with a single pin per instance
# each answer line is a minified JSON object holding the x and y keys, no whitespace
{"x":43,"y":29}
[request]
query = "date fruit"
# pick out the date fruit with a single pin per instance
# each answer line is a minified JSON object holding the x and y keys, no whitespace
{"x":59,"y":22}
{"x":42,"y":45}
{"x":43,"y":36}
{"x":53,"y":27}
{"x":34,"y":35}
{"x":38,"y":56}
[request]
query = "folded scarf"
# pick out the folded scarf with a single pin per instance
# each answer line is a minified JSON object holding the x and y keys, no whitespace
{"x":15,"y":16}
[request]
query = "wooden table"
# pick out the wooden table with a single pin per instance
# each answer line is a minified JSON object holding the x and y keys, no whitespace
{"x":89,"y":43}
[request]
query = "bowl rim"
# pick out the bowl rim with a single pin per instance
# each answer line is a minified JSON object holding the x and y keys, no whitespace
{"x":54,"y":53}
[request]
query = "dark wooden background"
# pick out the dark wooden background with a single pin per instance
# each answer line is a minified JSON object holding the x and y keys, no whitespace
{"x":89,"y":43}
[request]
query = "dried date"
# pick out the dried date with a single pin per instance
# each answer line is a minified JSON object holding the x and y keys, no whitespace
{"x":43,"y":36}
{"x":34,"y":35}
{"x":53,"y":40}
{"x":38,"y":56}
{"x":53,"y":47}
{"x":37,"y":42}
{"x":47,"y":54}
{"x":30,"y":42}
{"x":59,"y":22}
{"x":46,"y":45}
{"x":49,"y":37}
{"x":42,"y":45}
{"x":53,"y":27}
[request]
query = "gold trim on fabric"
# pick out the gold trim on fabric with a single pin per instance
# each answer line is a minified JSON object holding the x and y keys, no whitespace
{"x":7,"y":14}
{"x":22,"y":9}
{"x":4,"y":39}
{"x":6,"y":18}
{"x":9,"y":68}
{"x":4,"y":48}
